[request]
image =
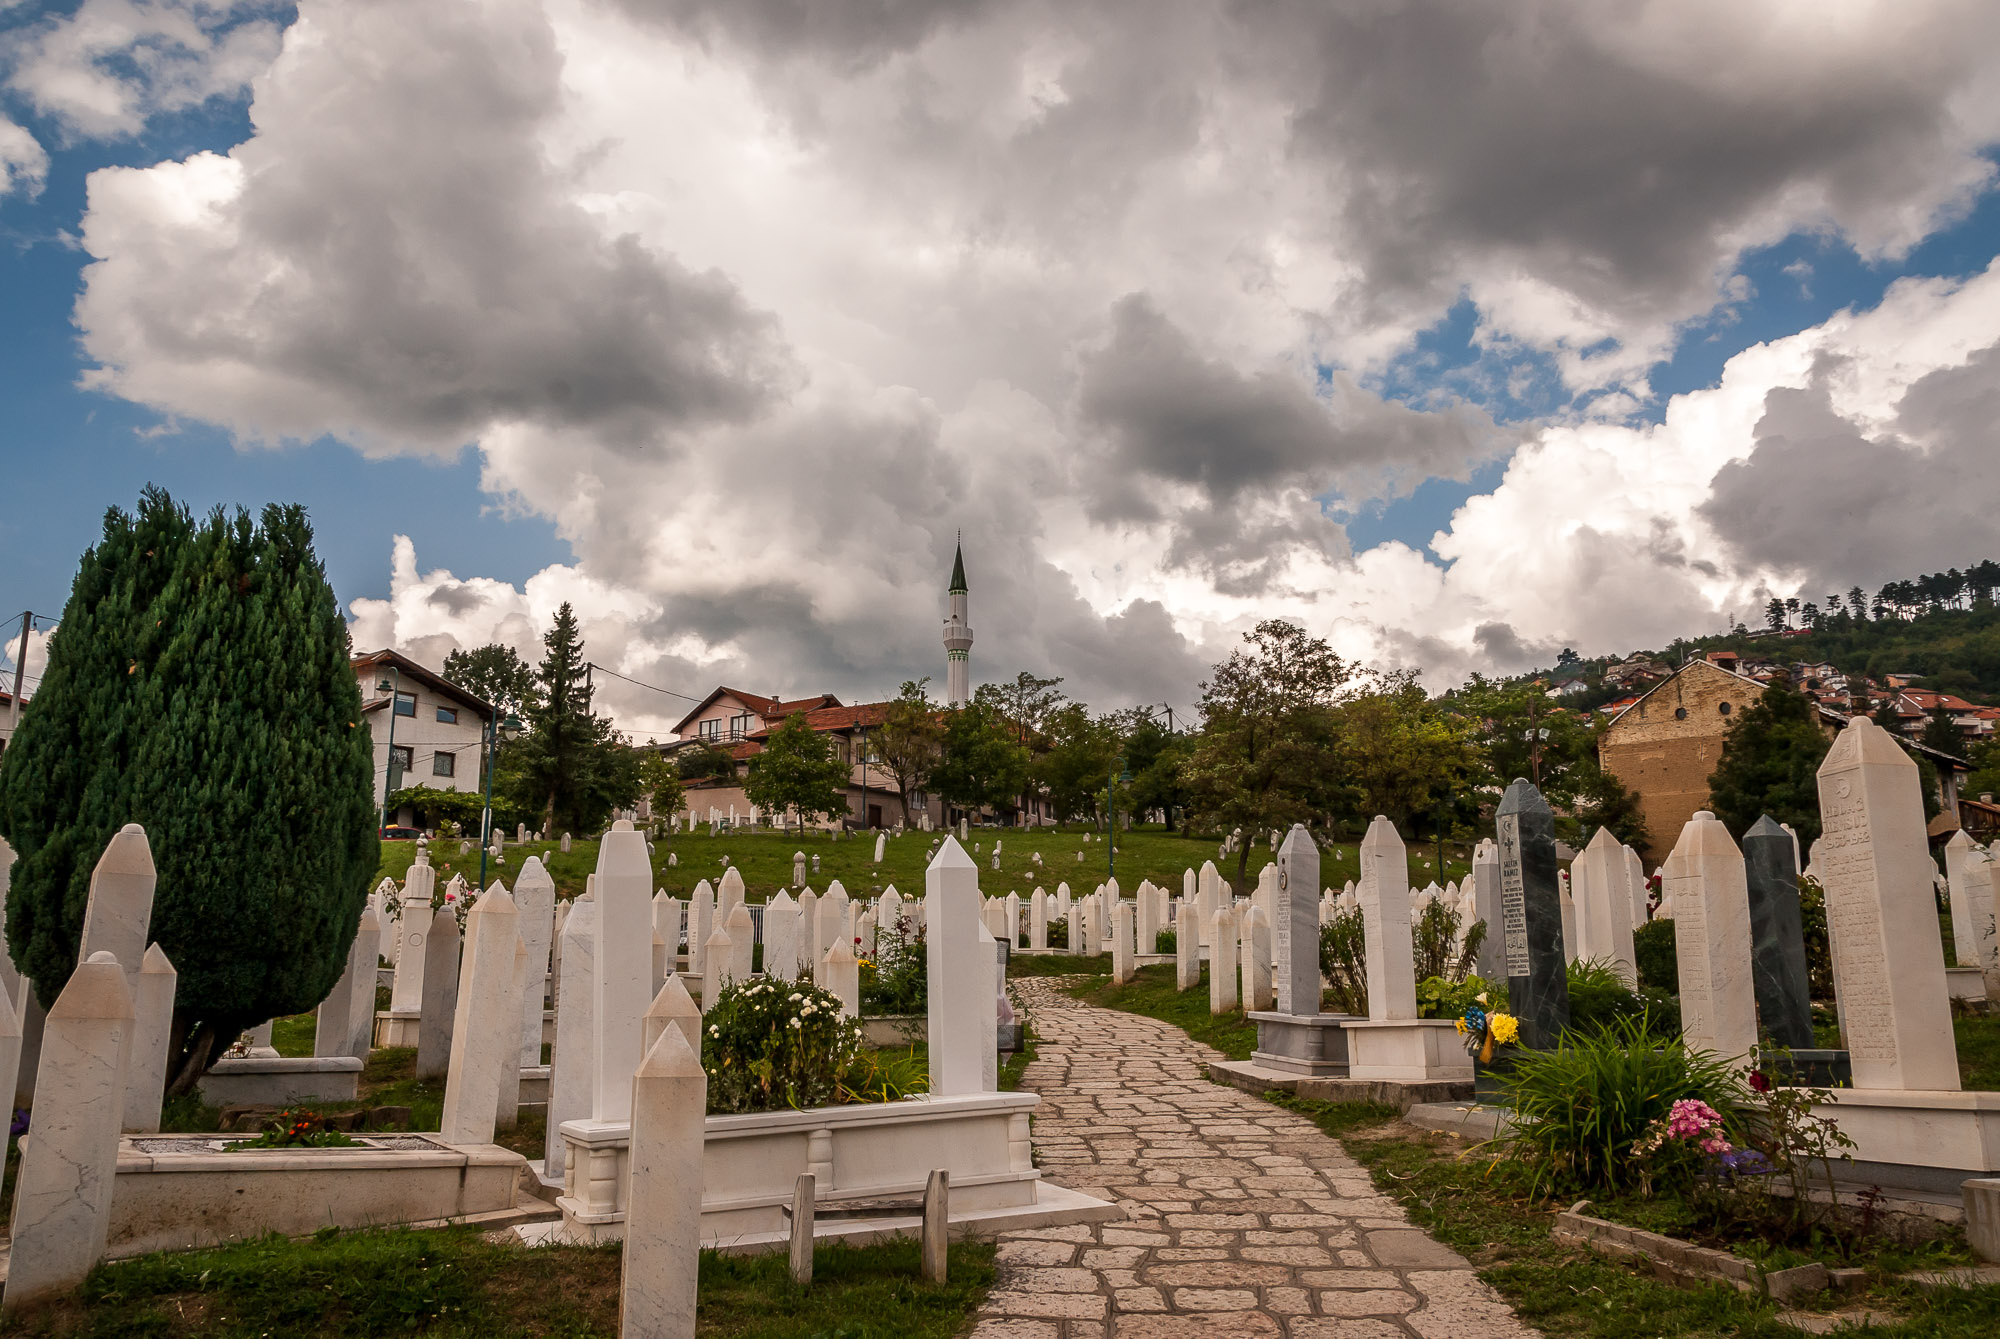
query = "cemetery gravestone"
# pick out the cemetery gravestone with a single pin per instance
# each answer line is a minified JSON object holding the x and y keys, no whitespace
{"x":440,"y":999}
{"x":1531,"y":915}
{"x":1876,"y":869}
{"x":1778,"y":944}
{"x":1712,"y":939}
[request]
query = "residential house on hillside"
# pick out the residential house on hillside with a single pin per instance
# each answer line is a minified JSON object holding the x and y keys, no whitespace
{"x":437,"y":727}
{"x":739,"y":723}
{"x":1666,"y":744}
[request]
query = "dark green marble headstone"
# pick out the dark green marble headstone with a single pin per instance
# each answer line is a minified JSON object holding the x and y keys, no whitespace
{"x":1777,"y":940}
{"x":1531,"y":915}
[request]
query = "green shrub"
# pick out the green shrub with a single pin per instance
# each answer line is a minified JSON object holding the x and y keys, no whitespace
{"x":768,"y":1046}
{"x":1578,"y":1109}
{"x":1659,"y":962}
{"x":1343,"y":961}
{"x":895,"y":980}
{"x":1166,"y":941}
{"x":1598,"y":996}
{"x":1819,"y":953}
{"x":1058,"y":932}
{"x":1439,"y":998}
{"x":1434,"y":938}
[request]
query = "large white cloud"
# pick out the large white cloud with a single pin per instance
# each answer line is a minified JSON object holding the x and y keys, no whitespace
{"x":761,"y":303}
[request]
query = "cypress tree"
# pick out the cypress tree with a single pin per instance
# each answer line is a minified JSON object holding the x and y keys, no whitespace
{"x":199,"y":684}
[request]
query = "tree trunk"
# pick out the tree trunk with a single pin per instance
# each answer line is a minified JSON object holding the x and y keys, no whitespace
{"x":1242,"y":861}
{"x":195,"y":1045}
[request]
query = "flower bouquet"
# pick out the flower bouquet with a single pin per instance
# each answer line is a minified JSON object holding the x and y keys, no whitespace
{"x":1484,"y":1028}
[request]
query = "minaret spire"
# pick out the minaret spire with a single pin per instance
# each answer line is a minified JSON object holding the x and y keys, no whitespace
{"x":958,"y":635}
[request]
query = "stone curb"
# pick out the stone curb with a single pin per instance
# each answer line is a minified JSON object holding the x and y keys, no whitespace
{"x":1683,"y":1262}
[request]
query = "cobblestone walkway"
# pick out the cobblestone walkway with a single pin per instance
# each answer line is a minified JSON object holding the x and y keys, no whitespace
{"x":1243,"y":1218}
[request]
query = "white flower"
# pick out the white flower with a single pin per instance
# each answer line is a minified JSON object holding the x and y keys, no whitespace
{"x":795,"y":1022}
{"x":714,"y":1031}
{"x":796,"y":997}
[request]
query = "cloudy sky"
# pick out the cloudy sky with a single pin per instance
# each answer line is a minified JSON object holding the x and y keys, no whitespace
{"x":1457,"y":332}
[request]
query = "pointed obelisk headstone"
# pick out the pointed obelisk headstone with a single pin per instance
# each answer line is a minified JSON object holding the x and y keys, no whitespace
{"x":1888,"y":962}
{"x":573,"y":1058}
{"x":1971,"y":894}
{"x":673,"y":1007}
{"x":622,"y":967}
{"x":535,"y":901}
{"x":62,"y":1196}
{"x":1295,"y":927}
{"x":485,"y":1032}
{"x":1385,"y":922}
{"x":781,"y":938}
{"x":1712,"y":933}
{"x":435,"y":1017}
{"x":120,"y":910}
{"x":1778,"y":942}
{"x":1531,"y":915}
{"x":662,"y":1252}
{"x":1604,"y":911}
{"x":956,"y":960}
{"x":152,"y":1030}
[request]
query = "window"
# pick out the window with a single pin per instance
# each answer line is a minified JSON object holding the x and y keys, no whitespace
{"x":739,"y":726}
{"x":711,"y":729}
{"x":406,"y":704}
{"x":1724,"y":709}
{"x":1680,"y":713}
{"x":444,"y":764}
{"x":447,"y":716}
{"x":401,"y":757}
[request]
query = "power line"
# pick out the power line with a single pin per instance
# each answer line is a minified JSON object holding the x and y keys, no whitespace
{"x":655,"y":687}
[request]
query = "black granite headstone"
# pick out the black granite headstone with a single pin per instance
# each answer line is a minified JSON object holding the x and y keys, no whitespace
{"x":1777,"y":940}
{"x":1531,"y":915}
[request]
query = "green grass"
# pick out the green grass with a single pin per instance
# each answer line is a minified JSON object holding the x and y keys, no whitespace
{"x":765,"y":860}
{"x":453,"y":1284}
{"x":1057,"y":964}
{"x":1978,"y":1037}
{"x":1151,"y":992}
{"x":1468,"y":1204}
{"x":294,"y":1036}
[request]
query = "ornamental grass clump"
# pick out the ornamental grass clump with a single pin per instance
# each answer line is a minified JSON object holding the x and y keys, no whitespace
{"x":1582,"y":1109}
{"x":769,"y":1046}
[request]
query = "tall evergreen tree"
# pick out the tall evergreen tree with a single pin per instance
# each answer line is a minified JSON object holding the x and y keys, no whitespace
{"x":1770,"y":764}
{"x":571,"y":766}
{"x":199,"y":685}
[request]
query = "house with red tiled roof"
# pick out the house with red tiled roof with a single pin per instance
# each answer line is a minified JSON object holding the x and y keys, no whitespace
{"x":739,"y":723}
{"x":1915,"y":705}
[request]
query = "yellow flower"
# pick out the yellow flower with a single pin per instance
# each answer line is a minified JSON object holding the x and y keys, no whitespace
{"x":1504,"y":1027}
{"x":1459,"y":1023}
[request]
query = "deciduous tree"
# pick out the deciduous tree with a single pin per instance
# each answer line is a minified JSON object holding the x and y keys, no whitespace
{"x":1770,"y":763}
{"x":800,"y":772}
{"x":1266,"y":757}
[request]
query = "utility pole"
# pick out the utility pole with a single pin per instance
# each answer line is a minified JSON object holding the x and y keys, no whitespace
{"x":20,"y":667}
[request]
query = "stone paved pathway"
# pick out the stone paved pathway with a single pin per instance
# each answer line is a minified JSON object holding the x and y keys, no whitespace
{"x":1244,"y":1219}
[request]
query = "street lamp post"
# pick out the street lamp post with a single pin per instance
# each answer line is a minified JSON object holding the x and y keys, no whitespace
{"x":391,"y":686}
{"x":495,"y":731}
{"x":1111,"y":815}
{"x":862,"y":737}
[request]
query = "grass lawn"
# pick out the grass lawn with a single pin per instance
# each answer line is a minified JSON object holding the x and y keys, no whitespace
{"x":765,"y":859}
{"x":455,"y":1284}
{"x":1572,"y":1292}
{"x":1151,"y":992}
